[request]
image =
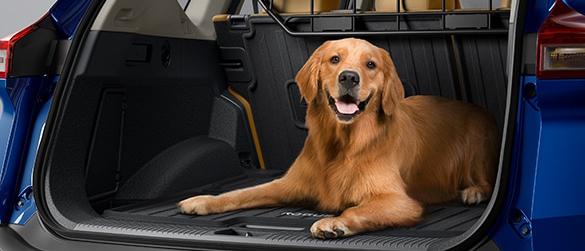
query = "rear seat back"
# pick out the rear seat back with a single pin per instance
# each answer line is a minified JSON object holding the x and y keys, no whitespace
{"x":436,"y":5}
{"x":414,"y":5}
{"x":304,"y":6}
{"x":464,"y":67}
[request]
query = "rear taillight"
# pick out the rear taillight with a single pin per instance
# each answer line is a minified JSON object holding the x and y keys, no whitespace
{"x":3,"y":59}
{"x":561,"y":44}
{"x":7,"y":46}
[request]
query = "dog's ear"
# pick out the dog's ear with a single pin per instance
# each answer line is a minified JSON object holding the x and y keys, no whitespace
{"x":308,"y":76}
{"x":392,"y":91}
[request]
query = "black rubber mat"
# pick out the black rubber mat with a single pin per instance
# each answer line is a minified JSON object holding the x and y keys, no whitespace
{"x":285,"y":223}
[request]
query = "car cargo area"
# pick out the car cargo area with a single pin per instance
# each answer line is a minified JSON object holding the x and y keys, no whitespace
{"x":290,"y":225}
{"x":146,"y":120}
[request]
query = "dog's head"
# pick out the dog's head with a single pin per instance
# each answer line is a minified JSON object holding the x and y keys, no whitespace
{"x":353,"y":76}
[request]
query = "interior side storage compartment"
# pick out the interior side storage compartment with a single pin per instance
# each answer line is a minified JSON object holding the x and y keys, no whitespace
{"x":124,"y":112}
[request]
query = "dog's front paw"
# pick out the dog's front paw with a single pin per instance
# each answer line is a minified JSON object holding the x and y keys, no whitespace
{"x":330,"y":228}
{"x":472,"y":196}
{"x":199,"y":205}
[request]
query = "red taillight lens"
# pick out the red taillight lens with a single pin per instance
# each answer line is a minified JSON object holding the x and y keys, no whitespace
{"x":6,"y":47}
{"x":561,"y":44}
{"x":3,"y":59}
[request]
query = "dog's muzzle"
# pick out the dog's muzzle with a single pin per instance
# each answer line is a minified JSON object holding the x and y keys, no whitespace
{"x":347,"y":104}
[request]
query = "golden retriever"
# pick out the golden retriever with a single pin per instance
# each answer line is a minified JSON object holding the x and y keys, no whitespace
{"x":370,"y":153}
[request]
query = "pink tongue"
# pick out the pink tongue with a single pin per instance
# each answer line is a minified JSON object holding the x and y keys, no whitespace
{"x":346,"y":108}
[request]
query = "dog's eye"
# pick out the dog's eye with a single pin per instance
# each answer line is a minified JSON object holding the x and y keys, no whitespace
{"x":334,"y":59}
{"x":371,"y":64}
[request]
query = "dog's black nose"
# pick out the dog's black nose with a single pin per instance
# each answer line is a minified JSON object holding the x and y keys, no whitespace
{"x":349,"y":79}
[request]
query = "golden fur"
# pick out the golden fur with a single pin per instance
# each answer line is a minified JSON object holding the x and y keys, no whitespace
{"x":379,"y":168}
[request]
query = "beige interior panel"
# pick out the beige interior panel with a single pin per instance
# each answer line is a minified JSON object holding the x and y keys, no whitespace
{"x":160,"y":18}
{"x":201,"y":13}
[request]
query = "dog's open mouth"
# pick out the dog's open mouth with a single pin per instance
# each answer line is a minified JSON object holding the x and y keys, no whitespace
{"x":347,"y":107}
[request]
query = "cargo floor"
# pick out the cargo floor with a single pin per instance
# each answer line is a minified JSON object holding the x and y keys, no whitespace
{"x":292,"y":224}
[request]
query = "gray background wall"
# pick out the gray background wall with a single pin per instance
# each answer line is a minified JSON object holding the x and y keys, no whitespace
{"x":17,"y":14}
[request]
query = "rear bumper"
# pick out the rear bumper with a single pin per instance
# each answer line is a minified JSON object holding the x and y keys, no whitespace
{"x":34,"y":236}
{"x":10,"y":240}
